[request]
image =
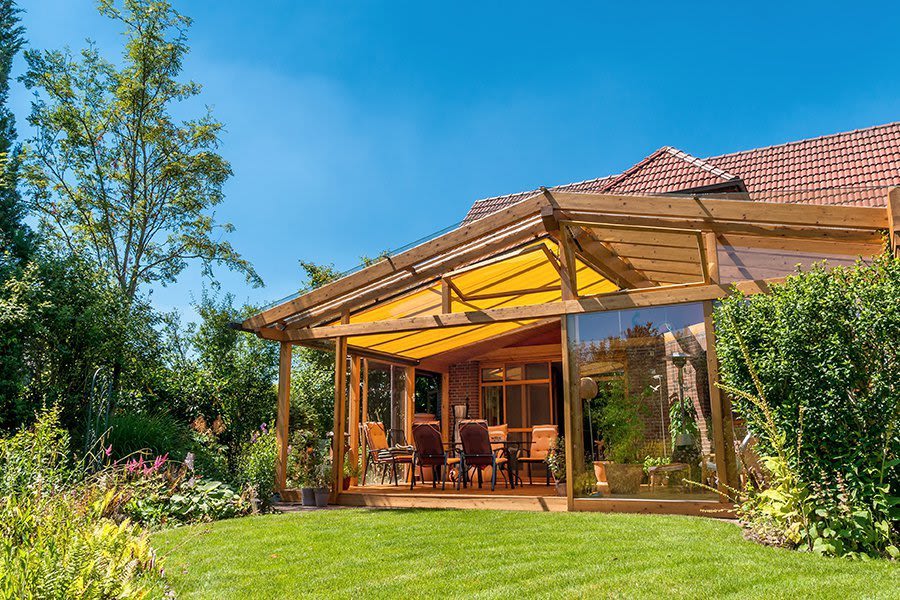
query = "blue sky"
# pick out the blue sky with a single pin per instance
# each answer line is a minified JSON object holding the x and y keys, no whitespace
{"x":358,"y":126}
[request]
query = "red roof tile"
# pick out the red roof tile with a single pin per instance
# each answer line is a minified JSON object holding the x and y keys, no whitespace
{"x":844,"y":168}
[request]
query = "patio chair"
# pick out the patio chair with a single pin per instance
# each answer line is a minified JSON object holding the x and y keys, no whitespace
{"x":380,"y":454}
{"x":499,"y":436}
{"x":477,"y":452}
{"x":430,"y":453}
{"x":542,"y":439}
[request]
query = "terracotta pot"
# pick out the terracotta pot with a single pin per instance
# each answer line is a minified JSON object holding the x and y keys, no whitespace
{"x":600,"y":470}
{"x":561,"y":488}
{"x":624,"y":479}
{"x":321,"y":495}
{"x":308,"y":496}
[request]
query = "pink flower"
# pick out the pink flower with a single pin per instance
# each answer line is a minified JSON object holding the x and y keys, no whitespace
{"x":109,"y":450}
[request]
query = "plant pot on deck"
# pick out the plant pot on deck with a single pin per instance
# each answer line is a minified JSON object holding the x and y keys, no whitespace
{"x":321,"y":495}
{"x":308,"y":496}
{"x":600,"y":470}
{"x":624,"y":478}
{"x":561,"y":488}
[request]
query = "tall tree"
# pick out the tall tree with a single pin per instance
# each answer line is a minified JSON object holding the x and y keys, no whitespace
{"x":15,"y":236}
{"x":113,"y":174}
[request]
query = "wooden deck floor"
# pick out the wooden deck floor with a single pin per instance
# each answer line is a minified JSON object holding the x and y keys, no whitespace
{"x":526,"y":497}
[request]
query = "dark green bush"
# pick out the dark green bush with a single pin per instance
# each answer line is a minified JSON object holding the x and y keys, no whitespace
{"x":256,"y":465}
{"x":825,"y":346}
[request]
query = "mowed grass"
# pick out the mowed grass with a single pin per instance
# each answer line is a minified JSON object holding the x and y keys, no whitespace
{"x":491,"y":554}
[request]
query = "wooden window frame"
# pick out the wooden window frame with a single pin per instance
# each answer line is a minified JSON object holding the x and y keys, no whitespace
{"x":504,"y":383}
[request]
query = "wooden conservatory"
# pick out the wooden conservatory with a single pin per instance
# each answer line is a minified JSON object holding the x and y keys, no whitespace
{"x":569,"y":318}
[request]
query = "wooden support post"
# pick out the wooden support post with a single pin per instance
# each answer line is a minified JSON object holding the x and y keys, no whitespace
{"x":364,"y":416}
{"x":720,"y":404}
{"x":445,"y":407}
{"x":893,"y":210}
{"x":410,"y":404}
{"x":282,"y":419}
{"x":574,"y":429}
{"x":340,"y":417}
{"x":446,"y":298}
{"x":567,"y":266}
{"x":354,"y":413}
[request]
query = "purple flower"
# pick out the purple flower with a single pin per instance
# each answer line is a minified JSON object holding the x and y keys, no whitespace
{"x":263,"y":427}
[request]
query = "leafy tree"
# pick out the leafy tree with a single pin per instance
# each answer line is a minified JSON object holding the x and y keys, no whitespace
{"x":15,"y":236}
{"x":111,"y":172}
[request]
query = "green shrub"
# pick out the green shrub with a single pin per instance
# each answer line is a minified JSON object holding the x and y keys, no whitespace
{"x":621,"y":424}
{"x":256,"y":465}
{"x":157,"y":433}
{"x":815,"y":370}
{"x":36,"y":458}
{"x":57,"y":537}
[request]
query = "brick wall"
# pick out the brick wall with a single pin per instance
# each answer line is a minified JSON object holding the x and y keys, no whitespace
{"x":464,"y":384}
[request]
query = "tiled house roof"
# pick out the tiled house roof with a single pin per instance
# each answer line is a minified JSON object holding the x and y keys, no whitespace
{"x":844,"y":168}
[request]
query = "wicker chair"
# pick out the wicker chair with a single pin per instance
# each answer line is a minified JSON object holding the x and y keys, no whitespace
{"x":542,"y":438}
{"x":477,"y":452}
{"x":430,"y":453}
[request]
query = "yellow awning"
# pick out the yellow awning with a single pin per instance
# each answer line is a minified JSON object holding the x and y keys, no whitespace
{"x":525,"y":276}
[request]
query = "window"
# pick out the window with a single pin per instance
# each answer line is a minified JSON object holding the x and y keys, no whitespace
{"x":518,"y":395}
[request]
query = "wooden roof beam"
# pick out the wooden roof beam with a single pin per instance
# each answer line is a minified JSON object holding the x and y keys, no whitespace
{"x":657,"y":296}
{"x":606,"y":262}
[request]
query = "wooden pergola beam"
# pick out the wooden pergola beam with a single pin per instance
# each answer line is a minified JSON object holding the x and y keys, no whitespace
{"x":893,"y":211}
{"x":674,"y":294}
{"x":710,"y":210}
{"x":405,"y":260}
{"x":607,"y":263}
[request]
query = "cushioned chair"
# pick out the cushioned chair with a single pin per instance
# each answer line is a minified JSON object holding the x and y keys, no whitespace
{"x":380,"y":454}
{"x":542,"y":438}
{"x":430,"y":453}
{"x":477,"y":452}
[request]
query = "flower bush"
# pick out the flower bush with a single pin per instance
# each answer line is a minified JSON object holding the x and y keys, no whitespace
{"x":61,"y":537}
{"x":814,"y":368}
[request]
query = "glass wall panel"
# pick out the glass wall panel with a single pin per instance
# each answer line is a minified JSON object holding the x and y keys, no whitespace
{"x":515,"y":411}
{"x":539,"y":404}
{"x":739,"y":263}
{"x":537,"y":371}
{"x":492,"y":374}
{"x":647,"y":430}
{"x":492,"y":400}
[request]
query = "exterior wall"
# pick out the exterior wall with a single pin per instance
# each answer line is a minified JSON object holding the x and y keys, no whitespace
{"x":464,"y":384}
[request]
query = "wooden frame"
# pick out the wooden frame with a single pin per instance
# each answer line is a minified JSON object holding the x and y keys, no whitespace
{"x":504,"y":383}
{"x":660,"y":249}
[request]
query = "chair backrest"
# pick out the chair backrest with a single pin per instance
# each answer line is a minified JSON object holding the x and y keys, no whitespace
{"x":427,"y":437}
{"x":498,"y":433}
{"x":476,"y":441}
{"x":376,"y":438}
{"x":542,"y":438}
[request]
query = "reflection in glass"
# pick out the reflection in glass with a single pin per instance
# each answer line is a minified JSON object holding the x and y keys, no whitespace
{"x":647,"y":433}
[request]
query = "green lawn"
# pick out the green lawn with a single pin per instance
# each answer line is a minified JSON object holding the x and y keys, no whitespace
{"x":490,"y":554}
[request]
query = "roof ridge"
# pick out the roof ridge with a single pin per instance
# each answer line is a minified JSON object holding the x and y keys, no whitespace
{"x":804,"y":141}
{"x":536,"y":191}
{"x":700,"y":163}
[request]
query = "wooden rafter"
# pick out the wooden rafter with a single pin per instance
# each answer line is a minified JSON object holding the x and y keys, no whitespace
{"x":598,"y":256}
{"x":675,"y":294}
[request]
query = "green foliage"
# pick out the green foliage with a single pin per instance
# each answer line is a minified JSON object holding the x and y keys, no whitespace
{"x":556,"y":459}
{"x":15,"y":236}
{"x":57,"y":537}
{"x":620,"y":423}
{"x":111,"y":172}
{"x":36,"y":458}
{"x":256,"y":465}
{"x":815,"y":370}
{"x":309,"y":464}
{"x":157,"y":433}
{"x":164,"y":494}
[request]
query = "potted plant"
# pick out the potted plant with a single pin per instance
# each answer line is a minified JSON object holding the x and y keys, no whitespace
{"x":623,"y":435}
{"x":556,"y":462}
{"x":351,"y":471}
{"x":301,"y":465}
{"x":321,"y":480}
